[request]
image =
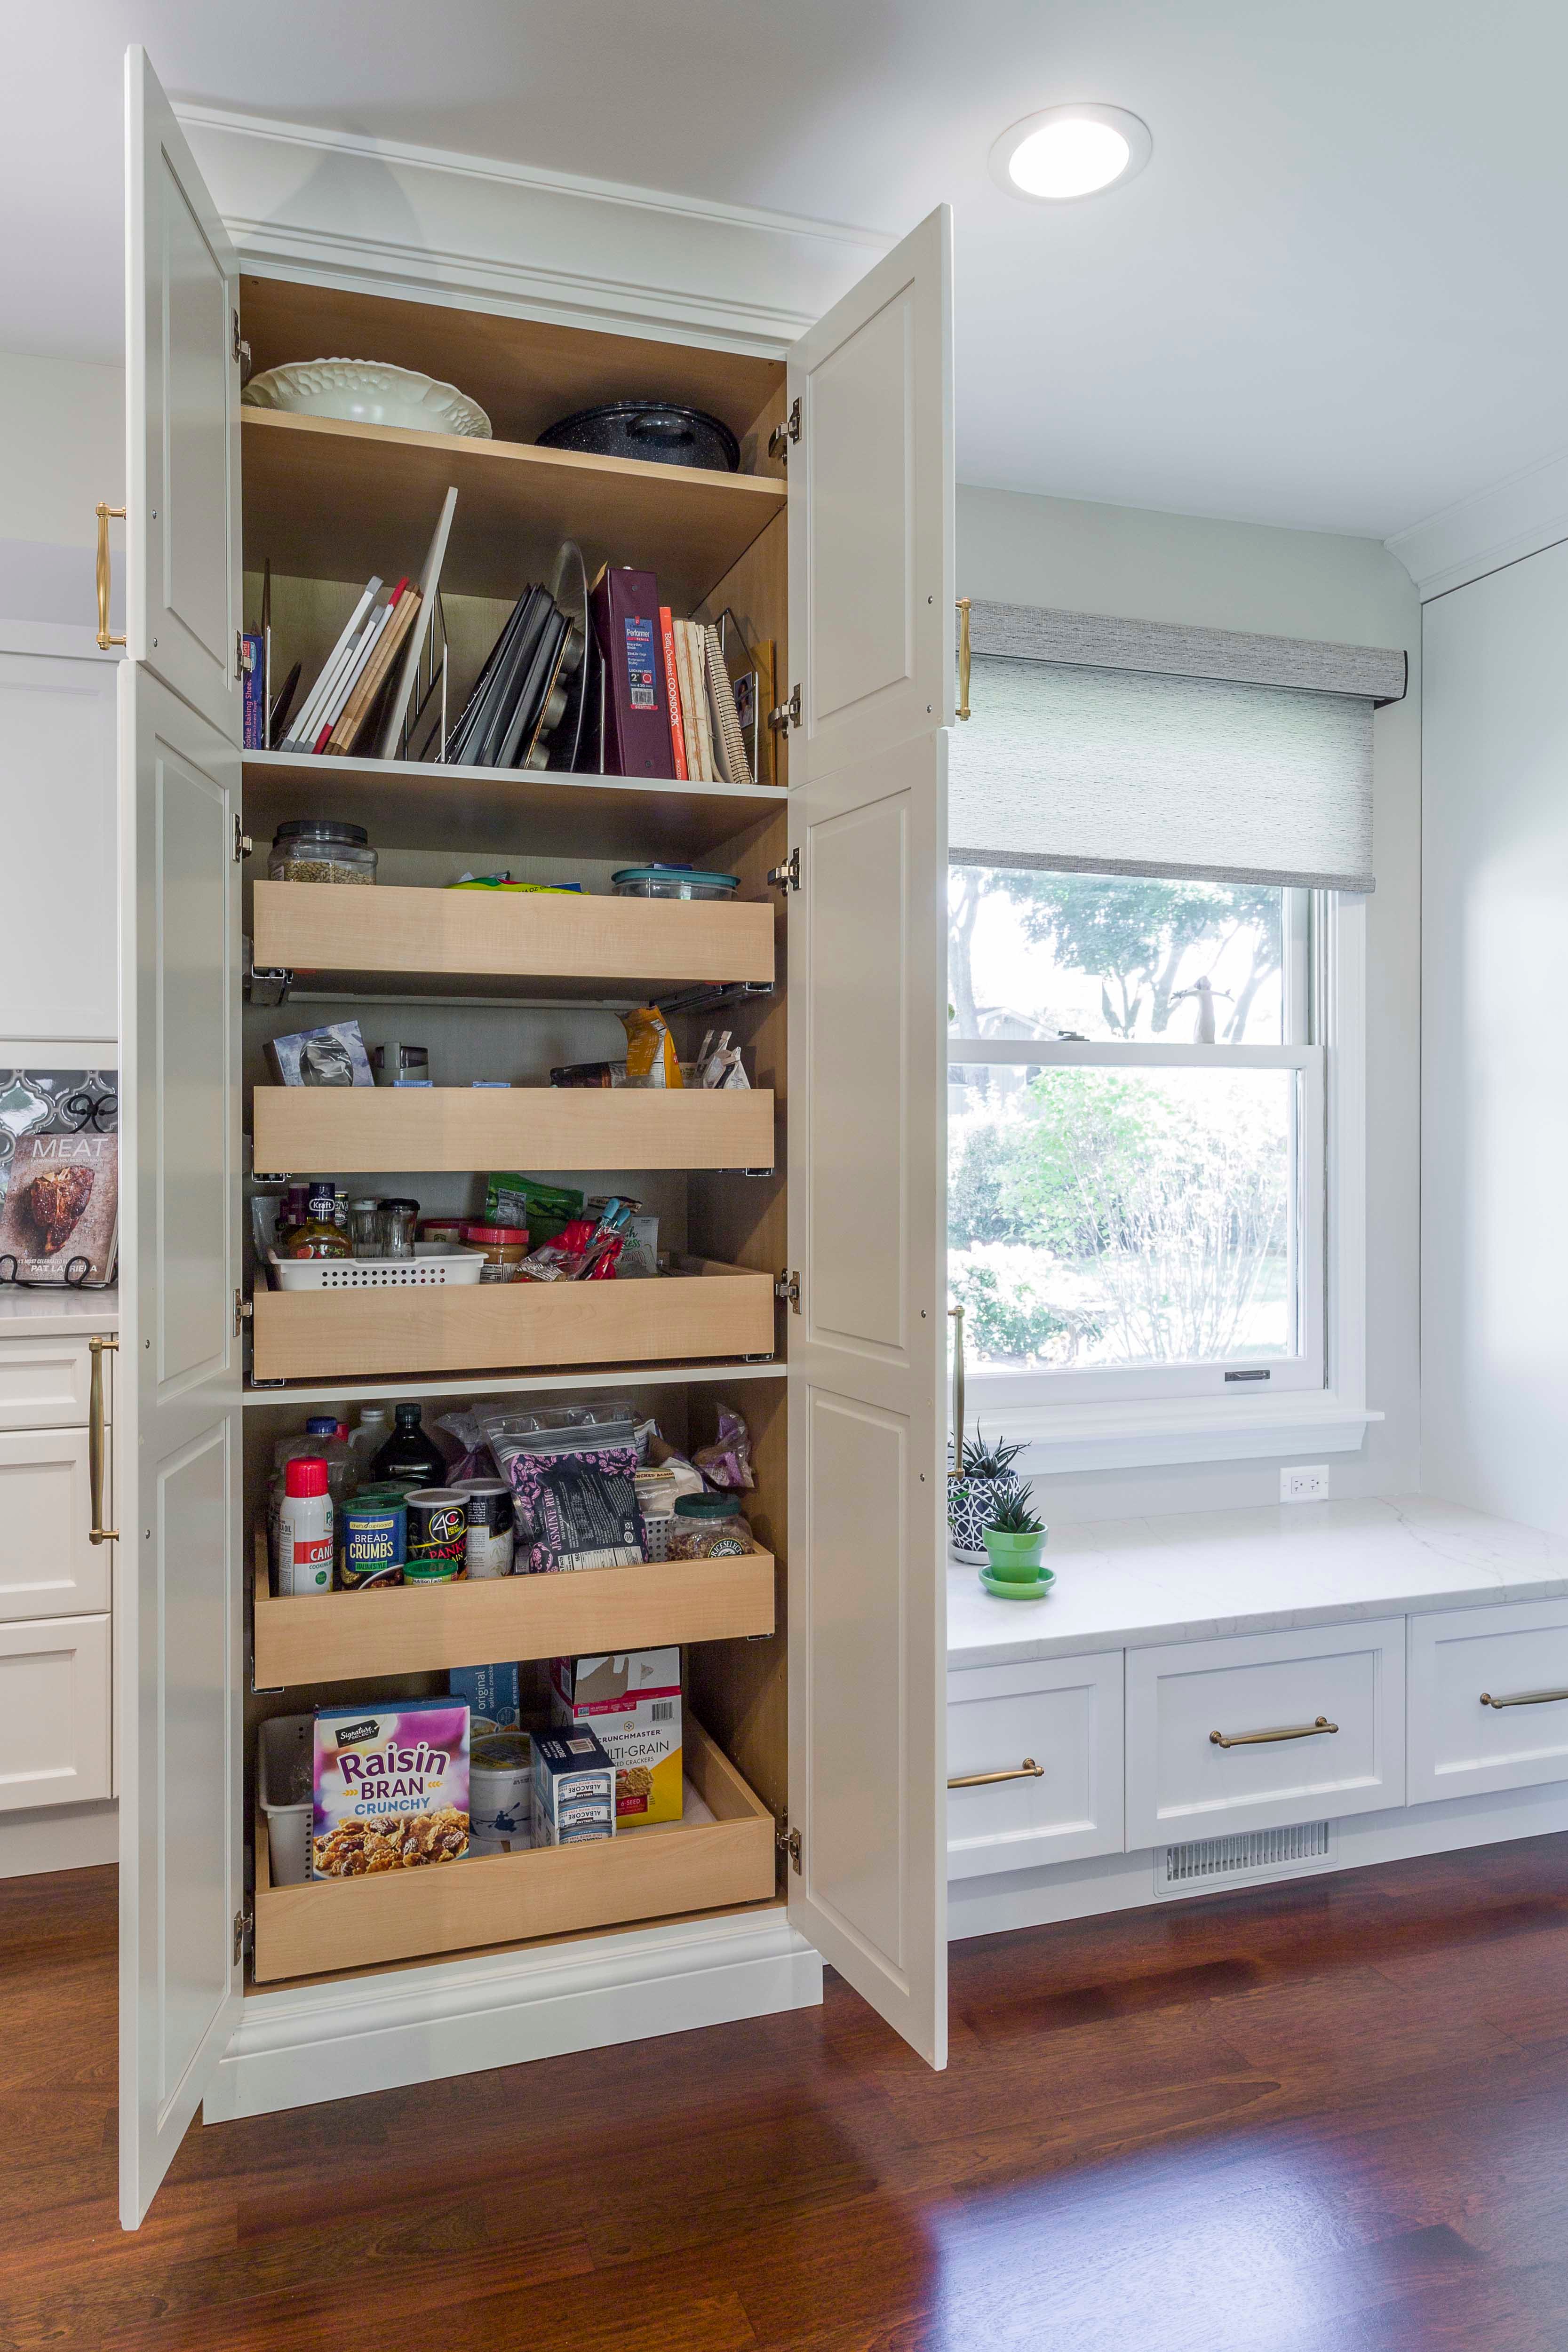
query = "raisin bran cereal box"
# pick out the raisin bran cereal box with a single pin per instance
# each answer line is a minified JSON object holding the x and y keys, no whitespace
{"x":632,"y":1704}
{"x":391,"y":1787}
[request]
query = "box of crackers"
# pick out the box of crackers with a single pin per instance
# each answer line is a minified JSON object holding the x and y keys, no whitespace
{"x":631,"y":1702}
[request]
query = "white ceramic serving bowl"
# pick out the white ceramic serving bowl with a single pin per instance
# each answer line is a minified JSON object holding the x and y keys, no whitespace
{"x":368,"y":392}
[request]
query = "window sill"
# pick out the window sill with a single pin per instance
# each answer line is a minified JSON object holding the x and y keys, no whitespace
{"x":1060,"y":1439}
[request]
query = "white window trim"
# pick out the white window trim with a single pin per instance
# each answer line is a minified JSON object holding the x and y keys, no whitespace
{"x":1075,"y":1436}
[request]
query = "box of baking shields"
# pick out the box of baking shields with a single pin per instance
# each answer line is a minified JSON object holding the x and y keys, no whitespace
{"x":391,"y":1787}
{"x":631,"y":1703}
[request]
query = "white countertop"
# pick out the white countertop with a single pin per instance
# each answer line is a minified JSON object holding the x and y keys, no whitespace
{"x":59,"y":1314}
{"x":1127,"y":1583}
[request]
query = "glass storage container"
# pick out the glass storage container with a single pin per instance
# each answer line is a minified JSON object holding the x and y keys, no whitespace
{"x":708,"y":1527}
{"x":320,"y":850}
{"x":396,"y":1219}
{"x":672,"y":882}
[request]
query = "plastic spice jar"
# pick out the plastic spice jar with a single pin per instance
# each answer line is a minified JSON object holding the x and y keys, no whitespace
{"x":709,"y":1526}
{"x":320,"y":850}
{"x":505,"y":1247}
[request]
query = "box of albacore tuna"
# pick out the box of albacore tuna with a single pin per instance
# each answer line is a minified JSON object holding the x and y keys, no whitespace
{"x":391,"y":1787}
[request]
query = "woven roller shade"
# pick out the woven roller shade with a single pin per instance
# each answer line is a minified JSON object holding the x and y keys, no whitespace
{"x":1117,"y":747}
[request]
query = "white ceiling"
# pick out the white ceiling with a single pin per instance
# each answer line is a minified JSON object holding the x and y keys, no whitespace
{"x":1334,"y":299}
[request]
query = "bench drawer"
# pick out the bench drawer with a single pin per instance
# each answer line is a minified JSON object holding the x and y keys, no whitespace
{"x":44,"y":1383}
{"x":1062,"y":1715}
{"x":1459,"y":1745}
{"x":1183,"y":1782}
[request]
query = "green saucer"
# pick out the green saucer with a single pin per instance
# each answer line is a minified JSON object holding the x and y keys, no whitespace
{"x":1008,"y":1588}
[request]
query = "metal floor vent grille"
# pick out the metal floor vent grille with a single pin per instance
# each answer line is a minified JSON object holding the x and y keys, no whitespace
{"x":1203,"y":1862}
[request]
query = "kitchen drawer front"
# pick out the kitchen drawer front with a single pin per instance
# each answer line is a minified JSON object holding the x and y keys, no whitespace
{"x":1062,"y":1714}
{"x":54,"y":1712}
{"x":44,"y":1383}
{"x":1459,"y":1746}
{"x":48,"y":1567}
{"x":1181,"y":1784}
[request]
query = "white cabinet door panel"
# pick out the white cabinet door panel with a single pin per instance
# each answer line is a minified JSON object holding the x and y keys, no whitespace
{"x":44,"y":1383}
{"x":1063,"y":1714}
{"x":48,"y":1567}
{"x":58,"y":760}
{"x":182,"y":519}
{"x":1182,"y":1783}
{"x":54,"y":1712}
{"x":1461,"y":1659}
{"x":870,"y":506}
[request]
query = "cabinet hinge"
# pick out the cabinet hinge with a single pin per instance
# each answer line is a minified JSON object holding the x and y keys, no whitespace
{"x":243,"y":1312}
{"x":241,"y":348}
{"x":788,"y":1286}
{"x":243,"y":844}
{"x":787,"y":714}
{"x":788,"y":1841}
{"x":783,"y":434}
{"x":787,"y":875}
{"x":244,"y":1934}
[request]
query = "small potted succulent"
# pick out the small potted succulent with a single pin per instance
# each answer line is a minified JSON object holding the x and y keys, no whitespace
{"x":981,"y":1482}
{"x":1015,"y":1542}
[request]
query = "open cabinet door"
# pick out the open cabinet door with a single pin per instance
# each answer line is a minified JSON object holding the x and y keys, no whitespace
{"x":178,"y":1606}
{"x":870,"y":524}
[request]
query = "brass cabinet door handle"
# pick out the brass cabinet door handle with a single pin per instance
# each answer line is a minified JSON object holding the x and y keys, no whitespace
{"x":97,"y":1533}
{"x":961,"y":708}
{"x":1028,"y":1770}
{"x":1524,"y":1698}
{"x":1286,"y":1731}
{"x":104,"y":514}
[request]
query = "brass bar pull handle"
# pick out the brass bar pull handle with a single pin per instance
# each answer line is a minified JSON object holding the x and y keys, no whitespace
{"x":1524,"y":1698}
{"x":104,"y":514}
{"x":1028,"y":1770}
{"x":1287,"y":1732}
{"x":97,"y":1533}
{"x":957,"y":1315}
{"x":961,"y":711}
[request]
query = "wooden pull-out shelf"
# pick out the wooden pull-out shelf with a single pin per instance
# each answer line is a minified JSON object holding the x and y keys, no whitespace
{"x":412,"y":1629}
{"x":331,"y":500}
{"x":327,"y":1926}
{"x":496,"y":937}
{"x":710,"y":1310}
{"x":384,"y":1130}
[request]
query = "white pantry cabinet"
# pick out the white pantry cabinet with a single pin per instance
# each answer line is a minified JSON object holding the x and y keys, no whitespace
{"x":58,"y":757}
{"x":852,"y":565}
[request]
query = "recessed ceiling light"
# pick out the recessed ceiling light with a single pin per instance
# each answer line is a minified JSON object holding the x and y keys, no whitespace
{"x":1070,"y":150}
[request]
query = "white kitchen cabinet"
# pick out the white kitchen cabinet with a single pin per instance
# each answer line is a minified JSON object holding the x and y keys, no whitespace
{"x":54,"y":1712}
{"x":1035,"y":1764}
{"x":1264,"y":1730}
{"x":58,"y":757}
{"x":48,"y":1565}
{"x":45,"y":1383}
{"x":1488,"y":1699}
{"x":861,"y":547}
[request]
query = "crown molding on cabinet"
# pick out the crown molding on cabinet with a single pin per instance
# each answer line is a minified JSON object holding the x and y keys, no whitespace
{"x":333,"y":207}
{"x":1514,"y":518}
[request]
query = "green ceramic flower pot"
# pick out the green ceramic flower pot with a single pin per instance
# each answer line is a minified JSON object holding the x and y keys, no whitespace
{"x":1018,"y":1558}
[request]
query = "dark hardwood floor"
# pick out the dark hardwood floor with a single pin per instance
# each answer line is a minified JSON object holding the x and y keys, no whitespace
{"x":1328,"y":2118}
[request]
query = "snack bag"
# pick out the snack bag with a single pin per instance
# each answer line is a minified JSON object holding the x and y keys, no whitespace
{"x":728,"y":1461}
{"x":651,"y":1057}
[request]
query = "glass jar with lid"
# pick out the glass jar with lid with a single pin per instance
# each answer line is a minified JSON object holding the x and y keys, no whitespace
{"x":397,"y":1219}
{"x":320,"y":850}
{"x":709,"y":1526}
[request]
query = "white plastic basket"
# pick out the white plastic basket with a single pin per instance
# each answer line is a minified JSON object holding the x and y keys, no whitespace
{"x":430,"y":1263}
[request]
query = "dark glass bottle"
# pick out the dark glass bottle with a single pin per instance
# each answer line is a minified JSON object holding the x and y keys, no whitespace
{"x":409,"y":1456}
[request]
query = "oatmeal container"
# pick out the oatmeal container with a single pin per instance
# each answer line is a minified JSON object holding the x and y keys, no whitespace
{"x":501,"y":1792}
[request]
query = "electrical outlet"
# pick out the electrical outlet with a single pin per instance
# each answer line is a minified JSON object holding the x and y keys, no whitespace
{"x":1305,"y":1485}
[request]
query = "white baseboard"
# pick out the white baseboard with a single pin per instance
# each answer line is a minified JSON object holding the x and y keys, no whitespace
{"x":58,"y":1837}
{"x":1123,"y":1882}
{"x":334,"y":2041}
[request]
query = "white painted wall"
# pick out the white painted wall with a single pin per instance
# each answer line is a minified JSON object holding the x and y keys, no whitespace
{"x":1161,"y":567}
{"x":1495,"y":1291}
{"x":62,"y":448}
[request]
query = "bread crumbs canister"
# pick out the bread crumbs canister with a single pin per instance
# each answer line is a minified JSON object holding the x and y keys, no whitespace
{"x":438,"y":1536}
{"x":375,"y":1534}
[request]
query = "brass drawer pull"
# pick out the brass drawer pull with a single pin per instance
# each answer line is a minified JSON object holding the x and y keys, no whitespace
{"x":1028,"y":1770}
{"x":961,"y":711}
{"x":97,"y":1533}
{"x":1287,"y":1732}
{"x":1524,"y":1698}
{"x":103,"y":514}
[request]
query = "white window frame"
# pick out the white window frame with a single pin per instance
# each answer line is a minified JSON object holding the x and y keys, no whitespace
{"x":1085,"y":1420}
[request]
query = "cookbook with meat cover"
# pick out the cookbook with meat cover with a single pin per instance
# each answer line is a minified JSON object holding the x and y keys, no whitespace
{"x":59,"y":1178}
